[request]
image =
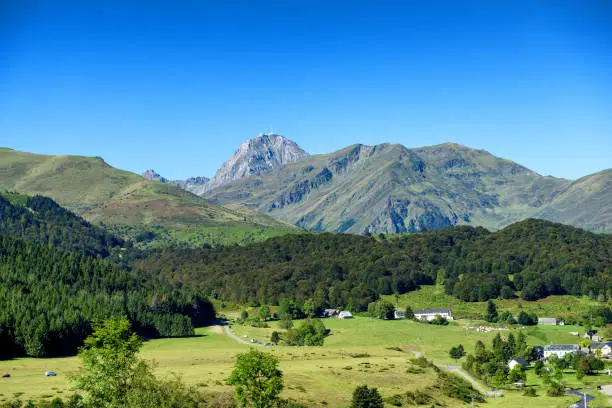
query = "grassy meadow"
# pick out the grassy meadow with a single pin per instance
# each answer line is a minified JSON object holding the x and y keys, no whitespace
{"x":358,"y":351}
{"x":552,"y":306}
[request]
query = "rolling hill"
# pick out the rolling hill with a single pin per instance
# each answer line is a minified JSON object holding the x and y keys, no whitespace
{"x":101,"y":193}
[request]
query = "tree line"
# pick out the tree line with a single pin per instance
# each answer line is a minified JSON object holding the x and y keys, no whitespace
{"x":41,"y":220}
{"x":531,"y":259}
{"x":59,"y":273}
{"x":49,"y":298}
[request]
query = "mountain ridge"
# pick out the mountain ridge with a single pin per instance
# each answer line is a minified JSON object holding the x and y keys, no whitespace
{"x":93,"y":189}
{"x":391,"y":188}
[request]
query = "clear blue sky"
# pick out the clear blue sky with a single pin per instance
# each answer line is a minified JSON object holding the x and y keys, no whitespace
{"x":178,"y":86}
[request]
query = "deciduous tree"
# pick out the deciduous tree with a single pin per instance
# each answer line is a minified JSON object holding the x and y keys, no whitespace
{"x":257,"y":379}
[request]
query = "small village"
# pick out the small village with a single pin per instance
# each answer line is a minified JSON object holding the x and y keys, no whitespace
{"x":550,"y":358}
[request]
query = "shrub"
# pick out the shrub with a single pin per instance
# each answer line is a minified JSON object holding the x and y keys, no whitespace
{"x":421,"y":362}
{"x":530,"y":392}
{"x":439,"y":320}
{"x":396,"y":400}
{"x":556,"y":390}
{"x":381,"y":309}
{"x":364,"y":397}
{"x":418,"y":398}
{"x":456,"y":387}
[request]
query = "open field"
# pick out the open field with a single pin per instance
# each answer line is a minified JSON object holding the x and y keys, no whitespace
{"x":317,"y":376}
{"x":552,"y":306}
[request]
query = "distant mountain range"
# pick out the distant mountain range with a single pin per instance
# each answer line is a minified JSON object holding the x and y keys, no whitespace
{"x":189,"y":184}
{"x":393,"y":189}
{"x":271,"y":182}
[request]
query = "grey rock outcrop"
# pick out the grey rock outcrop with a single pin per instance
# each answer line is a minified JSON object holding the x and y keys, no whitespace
{"x":256,"y":156}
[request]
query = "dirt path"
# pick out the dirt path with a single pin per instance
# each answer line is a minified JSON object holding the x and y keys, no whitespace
{"x":243,"y":341}
{"x":459,"y":371}
{"x":216,"y":329}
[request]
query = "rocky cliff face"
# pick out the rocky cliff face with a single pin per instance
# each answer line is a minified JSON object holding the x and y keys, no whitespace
{"x":188,"y":184}
{"x":152,"y":175}
{"x":256,"y":156}
{"x":192,"y":183}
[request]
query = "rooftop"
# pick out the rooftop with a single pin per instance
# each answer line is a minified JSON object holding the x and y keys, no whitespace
{"x":432,"y":311}
{"x":601,"y":344}
{"x":520,"y":361}
{"x":561,"y":347}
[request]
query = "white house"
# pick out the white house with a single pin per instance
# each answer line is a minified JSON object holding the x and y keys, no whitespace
{"x":560,"y":350}
{"x":605,"y":348}
{"x":517,"y":361}
{"x":430,"y":314}
{"x":547,"y":321}
{"x":399,"y":314}
{"x":345,"y":314}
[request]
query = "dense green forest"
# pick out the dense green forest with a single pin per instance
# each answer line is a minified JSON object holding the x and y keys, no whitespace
{"x":58,"y":273}
{"x":48,"y":299}
{"x":41,"y":220}
{"x":532,"y":258}
{"x":56,"y":278}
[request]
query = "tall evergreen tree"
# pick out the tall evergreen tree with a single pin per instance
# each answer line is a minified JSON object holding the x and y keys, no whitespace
{"x":491,"y":315}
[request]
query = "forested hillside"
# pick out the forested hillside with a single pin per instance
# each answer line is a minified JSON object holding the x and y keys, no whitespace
{"x":56,"y":277}
{"x":41,"y":220}
{"x":48,"y":299}
{"x":58,"y":273}
{"x":532,"y":259}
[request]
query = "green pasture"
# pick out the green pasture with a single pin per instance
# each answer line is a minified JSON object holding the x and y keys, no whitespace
{"x":358,"y":351}
{"x":552,"y":306}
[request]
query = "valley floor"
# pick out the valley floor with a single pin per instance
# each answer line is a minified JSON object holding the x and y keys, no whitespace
{"x":358,"y":351}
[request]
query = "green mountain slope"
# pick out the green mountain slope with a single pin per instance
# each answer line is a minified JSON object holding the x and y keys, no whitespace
{"x":390,"y":188}
{"x":40,"y":220}
{"x":98,"y":192}
{"x":586,"y":202}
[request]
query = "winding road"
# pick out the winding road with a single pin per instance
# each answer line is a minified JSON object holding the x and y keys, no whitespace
{"x":243,"y":341}
{"x":580,"y":404}
{"x":457,"y":370}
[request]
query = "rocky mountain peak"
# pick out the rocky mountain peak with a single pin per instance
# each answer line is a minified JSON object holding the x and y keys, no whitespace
{"x":258,"y":155}
{"x":152,"y":175}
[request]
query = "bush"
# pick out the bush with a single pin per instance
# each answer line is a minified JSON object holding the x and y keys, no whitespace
{"x":506,"y":317}
{"x":397,"y":400}
{"x":527,"y":319}
{"x":421,"y":362}
{"x":381,"y":309}
{"x":415,"y":370}
{"x":556,"y":390}
{"x":286,"y":324}
{"x":456,"y":387}
{"x":364,"y":397}
{"x":310,"y":333}
{"x":439,"y":320}
{"x":418,"y":398}
{"x":530,"y":392}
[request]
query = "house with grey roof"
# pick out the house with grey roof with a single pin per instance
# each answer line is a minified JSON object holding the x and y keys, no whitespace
{"x":560,"y":350}
{"x":430,"y":314}
{"x":605,"y":348}
{"x":517,"y":361}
